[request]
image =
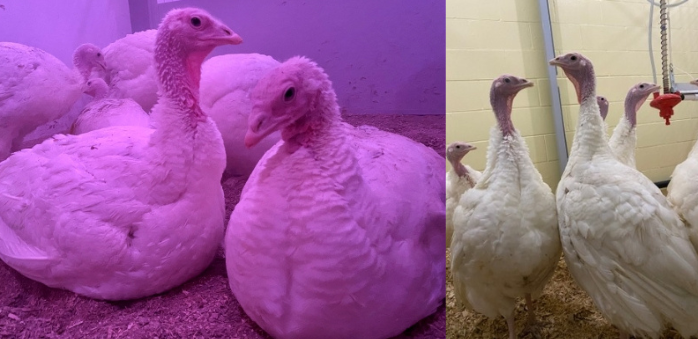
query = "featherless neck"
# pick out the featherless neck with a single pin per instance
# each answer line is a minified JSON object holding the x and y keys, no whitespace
{"x":587,"y":90}
{"x":459,"y":168}
{"x":502,"y":111}
{"x":630,"y":111}
{"x":179,"y":74}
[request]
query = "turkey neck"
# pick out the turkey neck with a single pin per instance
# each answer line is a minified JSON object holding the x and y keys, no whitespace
{"x":177,"y":113}
{"x":459,"y":168}
{"x":631,"y":106}
{"x":590,"y":127}
{"x":82,"y":68}
{"x":502,"y":111}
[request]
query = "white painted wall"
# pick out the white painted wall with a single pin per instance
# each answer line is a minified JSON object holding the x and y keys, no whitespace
{"x":60,"y":26}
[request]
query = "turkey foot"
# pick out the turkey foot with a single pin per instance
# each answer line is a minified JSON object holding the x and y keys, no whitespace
{"x":532,"y":326}
{"x":511,"y":326}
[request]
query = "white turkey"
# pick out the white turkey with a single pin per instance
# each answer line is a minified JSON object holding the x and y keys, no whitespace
{"x":226,"y":82}
{"x":505,"y":242}
{"x":603,"y":106}
{"x":339,"y":232}
{"x":125,"y":212}
{"x":36,"y":88}
{"x":623,"y":243}
{"x":104,"y":112}
{"x":130,"y":69}
{"x":458,"y":180}
{"x":624,"y":137}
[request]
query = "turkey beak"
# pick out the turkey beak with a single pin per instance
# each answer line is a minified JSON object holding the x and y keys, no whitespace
{"x":227,"y":36}
{"x":654,"y":88}
{"x":259,"y":125}
{"x":694,"y":82}
{"x":526,"y":84}
{"x":556,"y":62}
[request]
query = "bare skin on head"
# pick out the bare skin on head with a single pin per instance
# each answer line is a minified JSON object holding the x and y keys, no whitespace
{"x":96,"y":88}
{"x":502,"y":94}
{"x":455,"y":153}
{"x":86,"y":57}
{"x":295,"y":98}
{"x":603,"y":106}
{"x":580,"y":72}
{"x":635,"y":98}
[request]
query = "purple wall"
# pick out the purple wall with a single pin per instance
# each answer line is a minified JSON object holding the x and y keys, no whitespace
{"x":383,"y":56}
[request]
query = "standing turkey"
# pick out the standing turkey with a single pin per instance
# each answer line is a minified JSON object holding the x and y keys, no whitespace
{"x":505,"y":243}
{"x":623,"y":243}
{"x":624,"y":137}
{"x":682,"y":191}
{"x":458,"y":180}
{"x":603,"y":106}
{"x":36,"y":88}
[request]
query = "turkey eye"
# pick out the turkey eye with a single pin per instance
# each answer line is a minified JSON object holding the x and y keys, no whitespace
{"x":288,"y":95}
{"x":99,"y":54}
{"x":642,"y":86}
{"x":507,"y":80}
{"x":196,"y":21}
{"x":574,"y":57}
{"x":457,"y":146}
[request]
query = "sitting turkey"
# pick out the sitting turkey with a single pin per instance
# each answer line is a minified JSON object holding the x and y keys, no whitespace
{"x":505,"y":243}
{"x":105,"y":112}
{"x":130,"y":71}
{"x":458,"y":180}
{"x":226,"y":83}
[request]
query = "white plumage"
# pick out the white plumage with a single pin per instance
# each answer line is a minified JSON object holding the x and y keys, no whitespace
{"x":339,"y":232}
{"x":130,"y":70}
{"x":623,"y":243}
{"x":105,"y":112}
{"x":124,"y":212}
{"x":458,"y":180}
{"x":682,"y":192}
{"x":36,"y":88}
{"x":505,"y":243}
{"x":226,"y":82}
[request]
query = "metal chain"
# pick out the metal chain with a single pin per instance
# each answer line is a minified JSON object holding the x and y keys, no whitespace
{"x":663,"y":15}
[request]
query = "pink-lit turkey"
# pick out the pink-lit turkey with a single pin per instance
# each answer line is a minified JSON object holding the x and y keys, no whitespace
{"x":339,"y":232}
{"x":36,"y":88}
{"x":125,"y":212}
{"x":105,"y":112}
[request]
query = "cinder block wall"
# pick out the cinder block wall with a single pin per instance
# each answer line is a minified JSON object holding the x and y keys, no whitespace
{"x":614,"y":35}
{"x":487,"y":39}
